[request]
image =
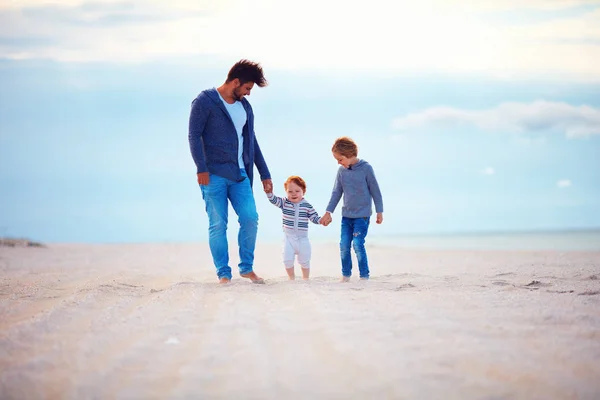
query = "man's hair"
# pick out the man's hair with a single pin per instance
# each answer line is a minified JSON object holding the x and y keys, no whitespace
{"x":247,"y":71}
{"x":345,"y":146}
{"x":297,"y":180}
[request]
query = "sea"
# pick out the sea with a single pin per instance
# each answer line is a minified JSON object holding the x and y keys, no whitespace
{"x":576,"y":240}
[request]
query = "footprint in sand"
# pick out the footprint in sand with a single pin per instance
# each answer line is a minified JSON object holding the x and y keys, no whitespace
{"x":404,"y":286}
{"x":537,"y":284}
{"x":590,"y":293}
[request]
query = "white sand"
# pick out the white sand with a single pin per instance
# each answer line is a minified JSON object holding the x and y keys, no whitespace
{"x":150,"y":321}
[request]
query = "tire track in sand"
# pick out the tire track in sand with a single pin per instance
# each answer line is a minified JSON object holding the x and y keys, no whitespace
{"x":155,"y":364}
{"x":272,"y":343}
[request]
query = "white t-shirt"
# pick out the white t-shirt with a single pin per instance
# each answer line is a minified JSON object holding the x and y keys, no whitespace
{"x":238,"y":116}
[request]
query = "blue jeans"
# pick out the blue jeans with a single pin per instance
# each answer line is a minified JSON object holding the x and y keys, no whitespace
{"x":216,"y":196}
{"x":354,"y":231}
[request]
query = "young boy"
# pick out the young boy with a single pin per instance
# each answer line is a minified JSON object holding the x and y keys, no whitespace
{"x":296,"y":214}
{"x":356,"y":181}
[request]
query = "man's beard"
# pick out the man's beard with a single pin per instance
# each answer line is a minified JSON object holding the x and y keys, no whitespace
{"x":236,"y":96}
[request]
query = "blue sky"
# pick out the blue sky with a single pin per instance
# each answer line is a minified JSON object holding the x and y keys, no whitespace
{"x":476,"y":116}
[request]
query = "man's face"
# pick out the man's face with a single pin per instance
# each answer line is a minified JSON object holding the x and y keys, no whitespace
{"x":242,"y":90}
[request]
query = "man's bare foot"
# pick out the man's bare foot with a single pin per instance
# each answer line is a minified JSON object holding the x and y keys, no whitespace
{"x":291,"y":278}
{"x":305,"y":278}
{"x":253,"y":277}
{"x":345,"y":279}
{"x":364,"y":279}
{"x":224,"y":280}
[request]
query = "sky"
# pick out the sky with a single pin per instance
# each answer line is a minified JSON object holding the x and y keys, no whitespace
{"x":476,"y":116}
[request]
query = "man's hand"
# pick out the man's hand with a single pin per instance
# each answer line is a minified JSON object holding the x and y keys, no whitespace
{"x":326,"y":219}
{"x":203,"y":178}
{"x":268,"y":185}
{"x":379,"y":218}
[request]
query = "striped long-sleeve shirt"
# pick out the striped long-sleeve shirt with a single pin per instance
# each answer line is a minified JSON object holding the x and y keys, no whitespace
{"x":295,"y":215}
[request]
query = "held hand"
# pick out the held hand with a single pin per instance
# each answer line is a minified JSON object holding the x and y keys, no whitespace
{"x":326,"y":219}
{"x":203,"y":178}
{"x":379,"y":218}
{"x":268,"y":185}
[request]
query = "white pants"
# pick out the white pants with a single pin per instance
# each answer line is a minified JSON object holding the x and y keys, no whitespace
{"x":295,"y":245}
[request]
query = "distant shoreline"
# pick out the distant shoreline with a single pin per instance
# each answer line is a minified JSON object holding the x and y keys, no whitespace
{"x":19,"y":242}
{"x":578,"y":239}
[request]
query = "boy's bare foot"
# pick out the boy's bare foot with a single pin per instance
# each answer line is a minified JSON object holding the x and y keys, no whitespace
{"x":253,"y":277}
{"x":345,"y":279}
{"x":364,"y":279}
{"x":224,"y":280}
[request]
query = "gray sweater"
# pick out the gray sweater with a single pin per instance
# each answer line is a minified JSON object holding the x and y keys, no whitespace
{"x":358,"y":185}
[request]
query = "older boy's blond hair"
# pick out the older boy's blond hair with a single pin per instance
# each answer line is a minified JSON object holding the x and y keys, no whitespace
{"x":345,"y":146}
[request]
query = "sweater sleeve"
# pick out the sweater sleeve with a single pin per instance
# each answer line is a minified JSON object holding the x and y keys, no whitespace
{"x":375,"y":191}
{"x":276,"y":201}
{"x":336,"y":193}
{"x":313,"y":215}
{"x":198,"y":118}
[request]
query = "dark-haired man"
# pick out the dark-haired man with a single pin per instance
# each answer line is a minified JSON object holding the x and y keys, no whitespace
{"x":225,"y":150}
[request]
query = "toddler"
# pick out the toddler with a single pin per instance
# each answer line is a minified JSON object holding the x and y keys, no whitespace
{"x":296,"y":214}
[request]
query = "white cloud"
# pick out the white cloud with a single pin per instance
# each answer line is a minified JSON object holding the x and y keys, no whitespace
{"x":487,"y":171}
{"x":449,"y":36}
{"x":563,"y":183}
{"x":538,"y":116}
{"x":506,"y":5}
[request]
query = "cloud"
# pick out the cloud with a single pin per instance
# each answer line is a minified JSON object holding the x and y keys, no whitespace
{"x":538,"y":116}
{"x":107,"y":15}
{"x":548,"y":5}
{"x":487,"y":171}
{"x":448,"y":36}
{"x":563,"y":183}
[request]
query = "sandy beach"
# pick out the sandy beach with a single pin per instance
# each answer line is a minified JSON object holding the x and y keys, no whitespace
{"x":149,"y":321}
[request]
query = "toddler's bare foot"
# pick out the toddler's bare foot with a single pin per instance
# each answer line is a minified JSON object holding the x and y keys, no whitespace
{"x":345,"y":279}
{"x":224,"y":281}
{"x":305,"y":273}
{"x":253,"y":277}
{"x":291,"y":273}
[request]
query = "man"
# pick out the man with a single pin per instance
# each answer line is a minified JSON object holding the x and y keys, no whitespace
{"x":225,"y":150}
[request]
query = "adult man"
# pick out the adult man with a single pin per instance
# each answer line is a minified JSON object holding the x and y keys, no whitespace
{"x":225,"y":150}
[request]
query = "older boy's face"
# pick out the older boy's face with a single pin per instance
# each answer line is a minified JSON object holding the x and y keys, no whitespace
{"x":342,"y":160}
{"x":294,"y":192}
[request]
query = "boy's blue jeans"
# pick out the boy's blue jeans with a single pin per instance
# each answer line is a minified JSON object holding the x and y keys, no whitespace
{"x":217,"y":195}
{"x":354,"y":231}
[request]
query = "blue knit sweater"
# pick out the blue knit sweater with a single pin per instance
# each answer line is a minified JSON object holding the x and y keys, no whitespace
{"x":214,"y":143}
{"x":359,"y":187}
